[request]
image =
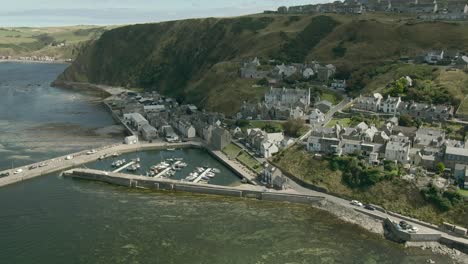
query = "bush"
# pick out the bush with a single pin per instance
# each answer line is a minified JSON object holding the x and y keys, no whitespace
{"x":293,"y":127}
{"x":443,"y":200}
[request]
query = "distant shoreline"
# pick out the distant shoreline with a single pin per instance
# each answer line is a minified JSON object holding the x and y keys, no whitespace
{"x":34,"y":61}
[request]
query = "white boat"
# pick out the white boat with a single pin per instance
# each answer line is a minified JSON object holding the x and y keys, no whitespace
{"x":192,"y":176}
{"x":178,"y":159}
{"x":215,"y":170}
{"x":210,"y":174}
{"x":171,"y":149}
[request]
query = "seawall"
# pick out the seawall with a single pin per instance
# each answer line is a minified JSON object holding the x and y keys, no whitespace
{"x":244,"y":191}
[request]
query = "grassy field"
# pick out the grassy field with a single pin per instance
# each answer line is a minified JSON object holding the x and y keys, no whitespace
{"x":396,"y":195}
{"x":249,"y":162}
{"x":331,"y":97}
{"x":346,"y":122}
{"x":464,"y":192}
{"x":39,"y":41}
{"x":232,"y":151}
{"x":235,"y":152}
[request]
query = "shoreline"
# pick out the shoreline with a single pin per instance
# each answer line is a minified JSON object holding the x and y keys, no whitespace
{"x":34,"y":61}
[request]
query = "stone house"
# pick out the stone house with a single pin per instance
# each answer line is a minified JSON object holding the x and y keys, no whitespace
{"x":316,"y":116}
{"x":425,"y":111}
{"x":338,"y":84}
{"x":220,"y":138}
{"x":398,"y":149}
{"x":288,"y":97}
{"x":324,"y":73}
{"x":371,"y":103}
{"x":149,"y":132}
{"x":455,"y":156}
{"x":135,"y":120}
{"x":324,"y":106}
{"x":429,"y":137}
{"x":272,"y":177}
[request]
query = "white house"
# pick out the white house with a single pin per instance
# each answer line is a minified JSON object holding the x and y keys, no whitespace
{"x":316,"y":116}
{"x":308,"y":73}
{"x":131,"y":140}
{"x":268,"y":148}
{"x":390,"y":105}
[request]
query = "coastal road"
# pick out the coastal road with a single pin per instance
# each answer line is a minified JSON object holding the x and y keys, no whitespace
{"x":80,"y":158}
{"x":424,"y":228}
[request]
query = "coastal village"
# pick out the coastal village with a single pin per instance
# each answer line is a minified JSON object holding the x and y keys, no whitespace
{"x":396,"y":136}
{"x":307,"y":106}
{"x":425,"y":9}
{"x":380,"y":137}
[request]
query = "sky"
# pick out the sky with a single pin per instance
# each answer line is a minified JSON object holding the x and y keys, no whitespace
{"x":14,"y":13}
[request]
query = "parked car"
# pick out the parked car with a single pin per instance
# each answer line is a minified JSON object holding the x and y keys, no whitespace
{"x":413,"y":229}
{"x":404,"y":225}
{"x":32,"y":167}
{"x":68,"y":157}
{"x":357,"y":203}
{"x":18,"y":171}
{"x":369,"y":207}
{"x":5,"y":174}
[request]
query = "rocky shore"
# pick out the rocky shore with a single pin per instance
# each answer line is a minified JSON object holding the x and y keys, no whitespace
{"x":376,"y":226}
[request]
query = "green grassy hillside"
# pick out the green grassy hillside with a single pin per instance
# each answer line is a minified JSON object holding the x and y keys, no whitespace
{"x":195,"y":60}
{"x":26,"y":41}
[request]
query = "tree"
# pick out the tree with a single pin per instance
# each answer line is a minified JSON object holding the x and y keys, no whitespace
{"x":293,"y":127}
{"x":269,"y":128}
{"x":406,"y":120}
{"x":263,"y":82}
{"x":440,"y":167}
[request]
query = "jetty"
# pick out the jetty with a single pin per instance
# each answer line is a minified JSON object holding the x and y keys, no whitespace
{"x":200,"y":177}
{"x":125,"y":166}
{"x":162,"y":173}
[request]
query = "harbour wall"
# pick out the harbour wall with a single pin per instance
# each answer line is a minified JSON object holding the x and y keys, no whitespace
{"x":245,"y":191}
{"x":80,"y":158}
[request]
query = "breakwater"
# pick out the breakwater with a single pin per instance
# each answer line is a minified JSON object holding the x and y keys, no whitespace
{"x":159,"y":184}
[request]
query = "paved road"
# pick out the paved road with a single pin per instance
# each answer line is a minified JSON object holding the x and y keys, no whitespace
{"x":423,"y":229}
{"x":79,"y":158}
{"x":328,"y":117}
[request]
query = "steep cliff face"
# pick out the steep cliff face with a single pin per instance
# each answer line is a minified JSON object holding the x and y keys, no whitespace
{"x":197,"y":60}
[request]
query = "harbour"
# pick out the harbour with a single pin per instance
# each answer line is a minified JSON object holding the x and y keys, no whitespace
{"x":88,"y":221}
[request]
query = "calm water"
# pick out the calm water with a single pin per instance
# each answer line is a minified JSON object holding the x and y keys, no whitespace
{"x":193,"y":157}
{"x":55,"y":220}
{"x":38,"y":121}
